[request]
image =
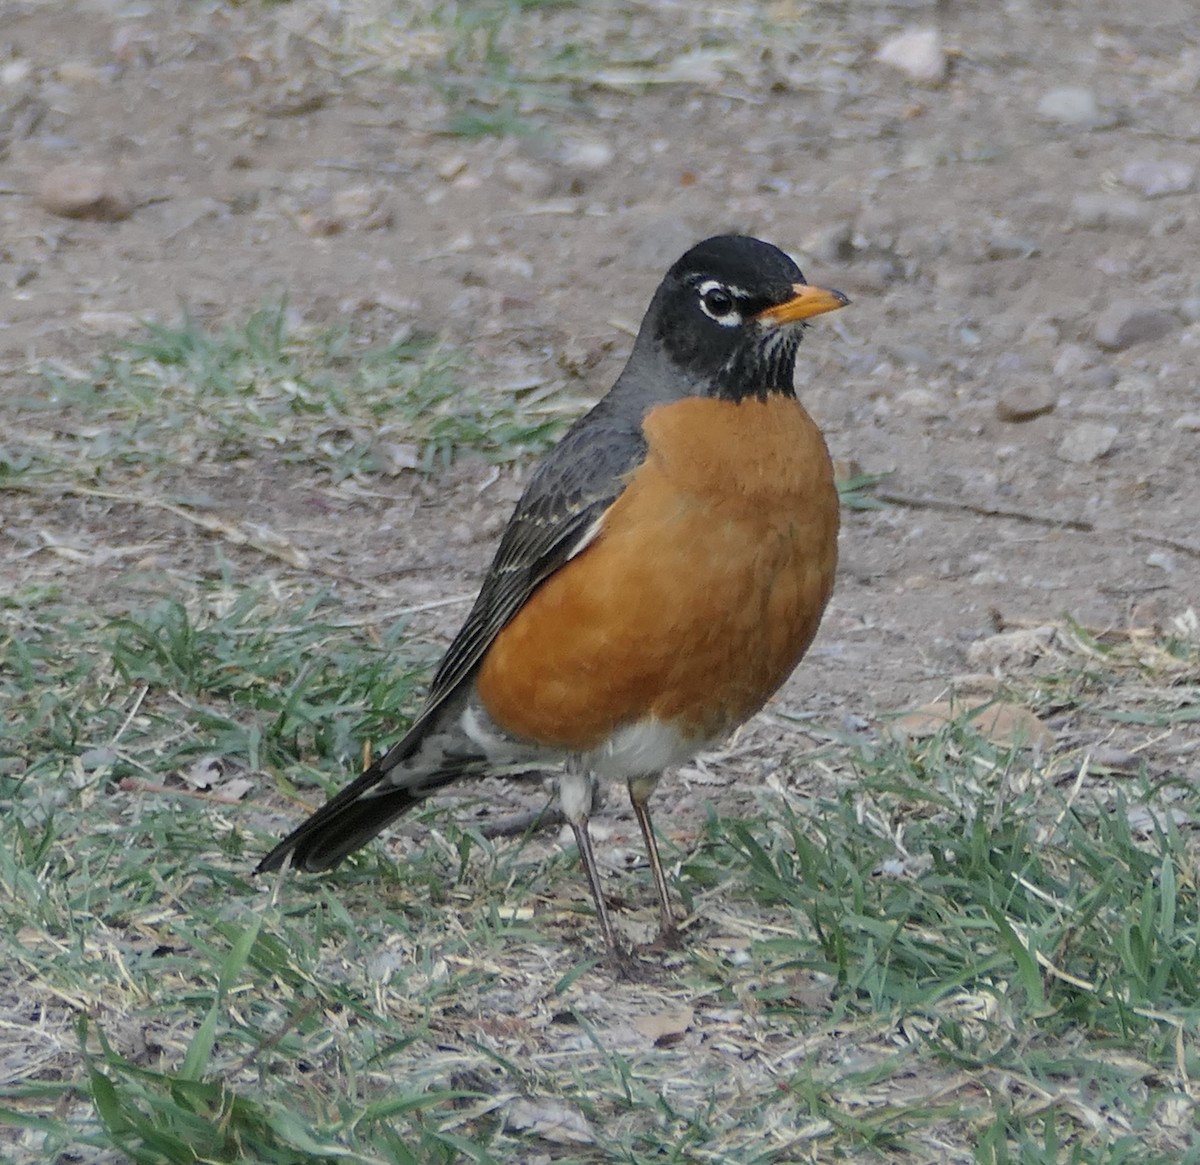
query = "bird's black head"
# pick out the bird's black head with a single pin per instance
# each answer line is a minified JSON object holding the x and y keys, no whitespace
{"x":729,"y":315}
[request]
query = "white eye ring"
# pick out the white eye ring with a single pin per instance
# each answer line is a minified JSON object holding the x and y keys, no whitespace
{"x":719,"y":303}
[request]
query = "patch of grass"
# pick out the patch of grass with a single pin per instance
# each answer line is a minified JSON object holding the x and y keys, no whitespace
{"x":252,"y":683}
{"x":856,"y":492}
{"x":1076,"y":921}
{"x":188,"y":395}
{"x":943,"y":943}
{"x":1034,"y":938}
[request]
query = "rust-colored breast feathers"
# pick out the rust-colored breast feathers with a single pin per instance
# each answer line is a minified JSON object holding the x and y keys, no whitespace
{"x":699,"y":595}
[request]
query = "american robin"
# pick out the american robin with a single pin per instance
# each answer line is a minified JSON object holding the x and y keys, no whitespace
{"x":664,"y":571}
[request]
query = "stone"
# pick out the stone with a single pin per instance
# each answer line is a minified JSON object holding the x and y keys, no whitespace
{"x":1069,"y":105}
{"x":586,"y":157}
{"x":1012,"y":649}
{"x":1001,"y":246}
{"x":1130,"y":321}
{"x":529,"y":178}
{"x":73,"y":190}
{"x":361,"y":208}
{"x":14,"y":72}
{"x":914,"y":356}
{"x":1100,"y":376}
{"x":1187,"y":423}
{"x":1103,"y":211}
{"x":1072,"y":359}
{"x":82,"y":73}
{"x":1088,"y":442}
{"x":1155,"y":179}
{"x":1026,"y":400}
{"x":916,"y":52}
{"x":832,"y":244}
{"x":1105,"y":756}
{"x":921,"y":401}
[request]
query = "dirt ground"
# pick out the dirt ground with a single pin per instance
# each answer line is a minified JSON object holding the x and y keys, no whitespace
{"x":982,"y":231}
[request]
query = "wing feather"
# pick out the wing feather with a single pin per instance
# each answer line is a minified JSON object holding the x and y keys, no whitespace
{"x":555,"y":518}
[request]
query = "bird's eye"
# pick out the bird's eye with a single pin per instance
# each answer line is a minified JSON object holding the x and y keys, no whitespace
{"x":717,"y":302}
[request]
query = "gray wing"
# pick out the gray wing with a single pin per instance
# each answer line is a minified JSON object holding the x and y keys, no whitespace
{"x":580,"y":478}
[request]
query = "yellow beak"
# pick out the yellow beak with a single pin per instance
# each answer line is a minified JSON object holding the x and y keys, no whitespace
{"x":808,"y":301}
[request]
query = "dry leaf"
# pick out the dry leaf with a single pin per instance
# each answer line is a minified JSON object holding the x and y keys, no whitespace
{"x":665,"y":1027}
{"x":552,"y":1120}
{"x":236,"y":789}
{"x":1006,"y":725}
{"x":701,"y":67}
{"x":1012,"y":649}
{"x":202,"y":773}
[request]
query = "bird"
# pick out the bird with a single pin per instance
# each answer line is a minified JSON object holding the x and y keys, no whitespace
{"x":661,"y":576}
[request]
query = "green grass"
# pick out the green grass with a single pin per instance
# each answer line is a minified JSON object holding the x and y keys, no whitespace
{"x":941,"y":945}
{"x":516,"y":68}
{"x":305,"y":396}
{"x":258,"y":684}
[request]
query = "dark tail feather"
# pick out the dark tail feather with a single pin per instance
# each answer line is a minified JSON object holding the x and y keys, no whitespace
{"x":349,"y":820}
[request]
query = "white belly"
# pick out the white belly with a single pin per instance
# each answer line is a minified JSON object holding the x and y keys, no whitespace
{"x":641,"y":750}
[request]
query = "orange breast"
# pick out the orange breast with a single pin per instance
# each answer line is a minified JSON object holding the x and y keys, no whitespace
{"x":698,"y":597}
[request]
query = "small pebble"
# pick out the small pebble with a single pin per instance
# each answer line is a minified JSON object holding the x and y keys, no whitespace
{"x":921,"y":401}
{"x":1088,"y":442}
{"x":1040,"y":330}
{"x":1161,"y":560}
{"x":1025,"y":401}
{"x":98,"y":758}
{"x":1156,"y":179}
{"x":1073,"y":359}
{"x":450,"y":168}
{"x":15,"y":71}
{"x":1185,"y":77}
{"x":587,"y":157}
{"x":361,"y":208}
{"x":1130,"y":321}
{"x":529,"y":178}
{"x":916,"y":52}
{"x":987,"y":578}
{"x":1010,"y":247}
{"x":1137,"y":384}
{"x":1102,"y":211}
{"x":77,"y":191}
{"x":1188,"y":423}
{"x":1104,"y":756}
{"x":1099,"y":377}
{"x":81,"y":73}
{"x":1070,"y":105}
{"x":832,"y":244}
{"x":914,"y":356}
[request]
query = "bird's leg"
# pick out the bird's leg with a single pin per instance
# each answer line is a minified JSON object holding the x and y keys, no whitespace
{"x":575,"y":793}
{"x":640,"y":789}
